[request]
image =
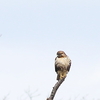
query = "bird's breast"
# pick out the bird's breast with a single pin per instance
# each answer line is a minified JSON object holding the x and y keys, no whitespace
{"x":62,"y":61}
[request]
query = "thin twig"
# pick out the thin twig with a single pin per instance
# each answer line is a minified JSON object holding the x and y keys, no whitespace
{"x":55,"y":88}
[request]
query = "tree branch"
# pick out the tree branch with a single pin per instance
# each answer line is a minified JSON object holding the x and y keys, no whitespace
{"x":55,"y":88}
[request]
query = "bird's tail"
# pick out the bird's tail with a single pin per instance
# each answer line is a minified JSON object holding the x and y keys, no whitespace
{"x":58,"y":76}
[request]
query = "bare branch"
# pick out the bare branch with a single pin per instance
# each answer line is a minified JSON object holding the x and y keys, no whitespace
{"x":0,"y":35}
{"x":5,"y":97}
{"x":55,"y":88}
{"x":31,"y":95}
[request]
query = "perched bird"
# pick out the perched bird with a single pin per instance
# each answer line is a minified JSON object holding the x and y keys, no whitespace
{"x":62,"y":64}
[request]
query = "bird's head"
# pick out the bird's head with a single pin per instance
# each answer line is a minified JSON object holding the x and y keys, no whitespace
{"x":61,"y":54}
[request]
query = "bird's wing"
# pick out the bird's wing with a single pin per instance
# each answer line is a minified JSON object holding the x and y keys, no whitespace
{"x":69,"y":66}
{"x":56,"y":65}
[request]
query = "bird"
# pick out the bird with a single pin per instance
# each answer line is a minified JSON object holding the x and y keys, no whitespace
{"x":62,"y":65}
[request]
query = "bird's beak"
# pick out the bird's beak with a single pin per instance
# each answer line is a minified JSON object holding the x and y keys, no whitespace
{"x":58,"y":55}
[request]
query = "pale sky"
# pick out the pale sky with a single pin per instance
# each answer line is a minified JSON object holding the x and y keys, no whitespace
{"x":32,"y":31}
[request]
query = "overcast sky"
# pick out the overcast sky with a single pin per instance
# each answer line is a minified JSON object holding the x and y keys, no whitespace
{"x":32,"y":31}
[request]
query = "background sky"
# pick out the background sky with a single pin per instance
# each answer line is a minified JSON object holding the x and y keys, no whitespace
{"x":32,"y":31}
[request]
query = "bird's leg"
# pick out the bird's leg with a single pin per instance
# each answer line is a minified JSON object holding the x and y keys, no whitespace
{"x":65,"y":73}
{"x":61,"y":74}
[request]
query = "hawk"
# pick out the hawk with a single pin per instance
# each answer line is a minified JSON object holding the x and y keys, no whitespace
{"x":62,"y":64}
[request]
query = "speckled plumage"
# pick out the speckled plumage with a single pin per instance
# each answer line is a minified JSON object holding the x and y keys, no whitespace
{"x":62,"y":64}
